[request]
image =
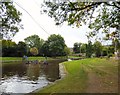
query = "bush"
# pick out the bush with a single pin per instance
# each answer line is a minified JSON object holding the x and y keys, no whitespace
{"x":109,"y":55}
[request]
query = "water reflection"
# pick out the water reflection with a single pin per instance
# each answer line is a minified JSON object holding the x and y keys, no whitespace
{"x":51,"y":71}
{"x":33,"y":71}
{"x":17,"y":68}
{"x":28,"y":77}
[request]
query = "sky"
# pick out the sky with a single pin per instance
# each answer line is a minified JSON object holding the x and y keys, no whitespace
{"x":33,"y":7}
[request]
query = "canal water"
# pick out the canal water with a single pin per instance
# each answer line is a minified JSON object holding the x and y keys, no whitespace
{"x":25,"y":78}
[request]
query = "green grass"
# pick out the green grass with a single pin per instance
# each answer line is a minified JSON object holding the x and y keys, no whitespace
{"x":12,"y":60}
{"x":15,"y":60}
{"x":20,"y":58}
{"x":75,"y":81}
{"x":73,"y":57}
{"x":77,"y":76}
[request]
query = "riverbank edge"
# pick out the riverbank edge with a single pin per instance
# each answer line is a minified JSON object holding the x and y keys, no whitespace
{"x":62,"y":72}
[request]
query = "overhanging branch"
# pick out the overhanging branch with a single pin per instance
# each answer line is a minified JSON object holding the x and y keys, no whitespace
{"x":92,"y":5}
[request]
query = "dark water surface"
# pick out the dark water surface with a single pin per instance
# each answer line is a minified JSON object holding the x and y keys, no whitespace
{"x":25,"y":78}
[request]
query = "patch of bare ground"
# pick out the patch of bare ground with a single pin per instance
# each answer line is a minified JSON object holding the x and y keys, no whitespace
{"x":100,"y":81}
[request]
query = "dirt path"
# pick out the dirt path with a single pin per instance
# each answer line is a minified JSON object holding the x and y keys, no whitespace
{"x":100,"y":83}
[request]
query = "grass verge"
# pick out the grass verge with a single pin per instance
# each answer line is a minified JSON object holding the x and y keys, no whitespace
{"x":12,"y":60}
{"x":76,"y":80}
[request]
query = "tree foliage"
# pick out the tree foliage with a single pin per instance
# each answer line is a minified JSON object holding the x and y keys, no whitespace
{"x":10,"y":48}
{"x":116,"y":44}
{"x":76,"y":47}
{"x":89,"y":49}
{"x":83,"y":48}
{"x":34,"y":41}
{"x":45,"y":49}
{"x":10,"y":20}
{"x":34,"y":51}
{"x":21,"y":48}
{"x":54,"y":46}
{"x":76,"y":13}
{"x":67,"y":51}
{"x":108,"y":18}
{"x":97,"y":46}
{"x":8,"y":43}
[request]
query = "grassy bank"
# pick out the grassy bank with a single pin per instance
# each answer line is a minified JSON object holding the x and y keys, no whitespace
{"x":87,"y":76}
{"x":14,"y":60}
{"x":20,"y":58}
{"x":11,"y":58}
{"x":75,"y":81}
{"x":29,"y":58}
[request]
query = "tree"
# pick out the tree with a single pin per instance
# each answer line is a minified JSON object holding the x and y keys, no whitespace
{"x":108,"y":18}
{"x":10,"y":20}
{"x":76,"y":13}
{"x":83,"y":48}
{"x":45,"y":49}
{"x":34,"y":41}
{"x":9,"y":48}
{"x":89,"y":49}
{"x":67,"y":51}
{"x":8,"y":43}
{"x":21,"y":48}
{"x":107,"y":50}
{"x":76,"y":47}
{"x":104,"y":51}
{"x":111,"y":50}
{"x":34,"y":51}
{"x":97,"y":48}
{"x":54,"y":46}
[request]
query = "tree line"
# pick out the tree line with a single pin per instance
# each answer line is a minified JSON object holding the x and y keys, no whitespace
{"x":95,"y":49}
{"x":54,"y":46}
{"x":35,"y":46}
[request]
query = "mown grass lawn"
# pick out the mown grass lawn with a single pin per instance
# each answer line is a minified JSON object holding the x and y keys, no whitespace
{"x":29,"y":58}
{"x":20,"y":58}
{"x":73,"y":82}
{"x":12,"y":60}
{"x":88,"y":75}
